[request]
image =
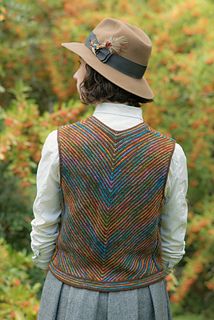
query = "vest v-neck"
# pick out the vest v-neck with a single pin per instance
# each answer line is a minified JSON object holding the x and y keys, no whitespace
{"x":101,"y":124}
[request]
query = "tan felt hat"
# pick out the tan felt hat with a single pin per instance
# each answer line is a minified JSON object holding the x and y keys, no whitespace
{"x":119,"y":52}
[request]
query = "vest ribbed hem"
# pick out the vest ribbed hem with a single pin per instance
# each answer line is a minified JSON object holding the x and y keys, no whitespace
{"x":106,"y":286}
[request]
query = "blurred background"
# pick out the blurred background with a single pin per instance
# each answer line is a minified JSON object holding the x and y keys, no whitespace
{"x":38,"y":94}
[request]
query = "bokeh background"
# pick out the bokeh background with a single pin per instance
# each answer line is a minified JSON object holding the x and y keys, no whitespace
{"x":38,"y":94}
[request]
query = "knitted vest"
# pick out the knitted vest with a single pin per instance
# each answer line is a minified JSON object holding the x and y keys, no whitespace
{"x":112,"y":185}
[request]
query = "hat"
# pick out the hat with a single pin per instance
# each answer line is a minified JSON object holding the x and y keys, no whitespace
{"x":119,"y":52}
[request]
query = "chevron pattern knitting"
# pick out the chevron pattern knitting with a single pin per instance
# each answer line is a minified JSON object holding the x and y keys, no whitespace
{"x":113,"y":188}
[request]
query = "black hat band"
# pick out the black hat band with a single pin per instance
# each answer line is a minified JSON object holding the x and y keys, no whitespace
{"x":116,"y":61}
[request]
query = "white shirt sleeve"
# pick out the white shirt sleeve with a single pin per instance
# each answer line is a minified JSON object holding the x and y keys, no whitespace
{"x":174,"y":213}
{"x":47,"y":204}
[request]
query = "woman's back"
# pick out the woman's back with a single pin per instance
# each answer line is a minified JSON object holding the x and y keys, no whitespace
{"x":111,"y":210}
{"x":136,"y":296}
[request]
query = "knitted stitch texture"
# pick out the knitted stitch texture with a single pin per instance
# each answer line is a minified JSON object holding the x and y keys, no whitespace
{"x":112,"y":185}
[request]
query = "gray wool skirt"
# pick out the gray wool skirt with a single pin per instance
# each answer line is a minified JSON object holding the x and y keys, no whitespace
{"x":60,"y":301}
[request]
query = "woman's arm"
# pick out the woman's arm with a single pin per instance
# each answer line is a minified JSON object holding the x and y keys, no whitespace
{"x":175,"y":210}
{"x":46,"y":206}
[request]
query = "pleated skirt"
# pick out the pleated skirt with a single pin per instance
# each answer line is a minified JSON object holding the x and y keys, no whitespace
{"x":60,"y":301}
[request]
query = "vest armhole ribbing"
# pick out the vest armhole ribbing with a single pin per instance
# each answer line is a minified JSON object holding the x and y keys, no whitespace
{"x":60,"y":157}
{"x":60,"y":168}
{"x":168,"y":166}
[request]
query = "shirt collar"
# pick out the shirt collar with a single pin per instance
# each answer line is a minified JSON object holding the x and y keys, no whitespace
{"x":120,"y":109}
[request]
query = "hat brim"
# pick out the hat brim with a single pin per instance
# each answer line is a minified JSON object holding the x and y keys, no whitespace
{"x":139,"y":87}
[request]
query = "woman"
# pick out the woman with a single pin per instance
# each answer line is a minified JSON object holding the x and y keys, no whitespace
{"x":111,"y":210}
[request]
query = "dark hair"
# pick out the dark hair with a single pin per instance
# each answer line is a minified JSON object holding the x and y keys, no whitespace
{"x":96,"y":88}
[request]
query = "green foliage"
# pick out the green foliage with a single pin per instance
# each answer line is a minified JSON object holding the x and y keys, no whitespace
{"x":17,"y":295}
{"x":22,"y":137}
{"x":190,"y":317}
{"x":31,"y":53}
{"x":14,"y":210}
{"x":38,"y":94}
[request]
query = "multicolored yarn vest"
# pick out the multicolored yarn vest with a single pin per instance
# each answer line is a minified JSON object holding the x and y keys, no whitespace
{"x":112,"y":185}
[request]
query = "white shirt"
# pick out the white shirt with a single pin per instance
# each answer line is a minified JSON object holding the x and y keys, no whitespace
{"x":47,"y":209}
